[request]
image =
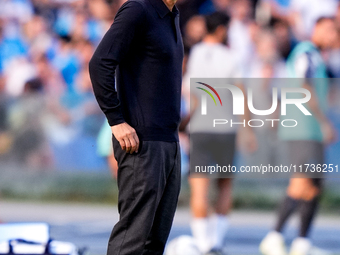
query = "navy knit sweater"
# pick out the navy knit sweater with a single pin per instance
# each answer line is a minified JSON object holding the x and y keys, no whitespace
{"x":143,"y":49}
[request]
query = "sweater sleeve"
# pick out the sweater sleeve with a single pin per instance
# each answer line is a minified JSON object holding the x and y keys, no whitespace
{"x":110,"y":52}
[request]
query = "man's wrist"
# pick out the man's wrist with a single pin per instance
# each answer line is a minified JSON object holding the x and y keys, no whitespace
{"x":114,"y":118}
{"x":112,"y":126}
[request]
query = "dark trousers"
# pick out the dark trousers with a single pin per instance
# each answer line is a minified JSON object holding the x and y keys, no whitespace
{"x":149,"y":184}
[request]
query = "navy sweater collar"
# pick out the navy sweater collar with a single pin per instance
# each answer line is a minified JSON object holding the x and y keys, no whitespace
{"x":162,"y":9}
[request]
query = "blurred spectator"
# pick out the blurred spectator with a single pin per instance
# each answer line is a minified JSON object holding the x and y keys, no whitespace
{"x":267,"y":61}
{"x":16,"y":73}
{"x":26,"y":119}
{"x":86,"y":112}
{"x":104,"y":11}
{"x":194,"y":31}
{"x":47,"y":10}
{"x":3,"y":107}
{"x":67,"y":62}
{"x":210,"y":6}
{"x":240,"y":32}
{"x":277,"y":9}
{"x":337,"y":16}
{"x":333,"y":57}
{"x":19,"y":10}
{"x":5,"y":138}
{"x":304,"y":14}
{"x":267,"y":64}
{"x":188,"y":8}
{"x":284,"y":40}
{"x":11,"y":43}
{"x":37,"y":36}
{"x":54,"y":85}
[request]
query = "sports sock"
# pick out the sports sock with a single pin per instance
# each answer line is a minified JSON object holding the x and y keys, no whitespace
{"x":219,"y":225}
{"x":286,"y":209}
{"x":200,"y":231}
{"x":307,"y":213}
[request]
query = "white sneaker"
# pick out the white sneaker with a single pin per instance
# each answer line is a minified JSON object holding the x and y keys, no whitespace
{"x":300,"y":246}
{"x":273,"y":244}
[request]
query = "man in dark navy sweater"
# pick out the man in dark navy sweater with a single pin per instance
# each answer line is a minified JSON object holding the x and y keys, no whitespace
{"x":143,"y":49}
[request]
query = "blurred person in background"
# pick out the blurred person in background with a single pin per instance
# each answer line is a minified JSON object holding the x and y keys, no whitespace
{"x":333,"y":64}
{"x":275,"y":14}
{"x":267,"y":61}
{"x":284,"y":40}
{"x":333,"y":56}
{"x":104,"y":11}
{"x":14,"y":63}
{"x":52,"y":91}
{"x":67,"y":62}
{"x":39,"y":39}
{"x":305,"y":141}
{"x":265,"y":67}
{"x":188,"y":9}
{"x":75,"y":115}
{"x":304,"y":14}
{"x":277,"y":9}
{"x":83,"y":105}
{"x":194,"y":31}
{"x":48,"y":10}
{"x":212,"y":59}
{"x":26,"y":117}
{"x":5,"y":135}
{"x":19,"y":11}
{"x":240,"y":33}
{"x":210,"y":6}
{"x":12,"y":43}
{"x":54,"y":86}
{"x":17,"y":72}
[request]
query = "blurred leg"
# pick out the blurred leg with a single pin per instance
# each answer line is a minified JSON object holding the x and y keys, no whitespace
{"x":219,"y":221}
{"x":301,"y":192}
{"x":286,"y":209}
{"x":199,"y":208}
{"x":199,"y":201}
{"x":309,"y":206}
{"x":300,"y":186}
{"x":308,"y":211}
{"x":224,"y":199}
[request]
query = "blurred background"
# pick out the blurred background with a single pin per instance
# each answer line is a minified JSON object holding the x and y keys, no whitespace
{"x":55,"y":152}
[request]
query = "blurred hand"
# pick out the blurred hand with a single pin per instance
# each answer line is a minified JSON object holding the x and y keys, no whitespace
{"x":328,"y":132}
{"x":126,"y":136}
{"x":247,"y":140}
